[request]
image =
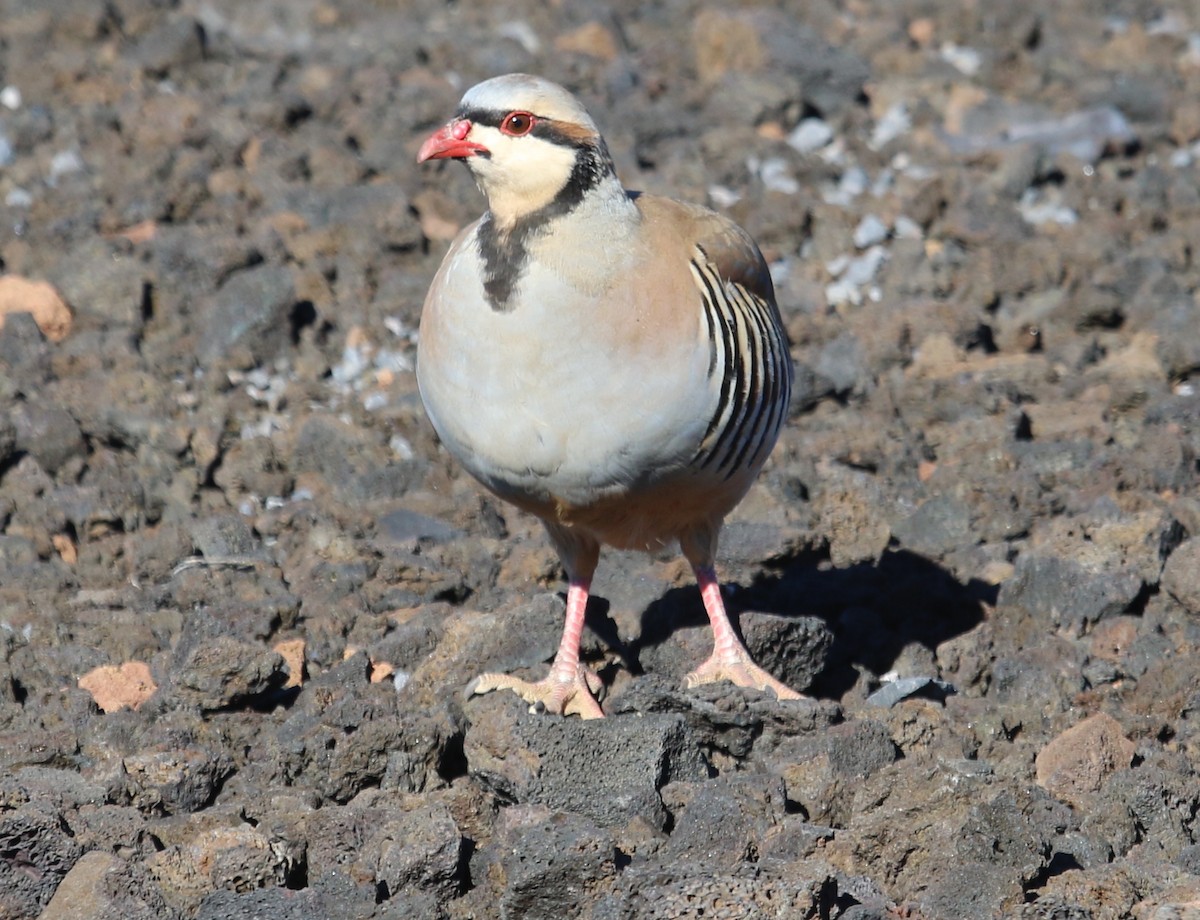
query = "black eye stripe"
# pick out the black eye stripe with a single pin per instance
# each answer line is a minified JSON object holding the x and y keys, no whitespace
{"x":545,"y":128}
{"x":482,"y":117}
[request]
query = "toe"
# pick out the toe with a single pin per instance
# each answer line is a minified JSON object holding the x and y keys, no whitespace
{"x":742,"y":673}
{"x":561,"y":697}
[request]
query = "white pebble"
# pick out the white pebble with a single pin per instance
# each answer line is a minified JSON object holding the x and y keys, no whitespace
{"x":870,"y":230}
{"x":401,"y":448}
{"x":811,"y":134}
{"x":777,"y":177}
{"x":837,"y":265}
{"x":391,"y":360}
{"x":1037,"y":210}
{"x":10,"y":98}
{"x":964,"y":60}
{"x":854,"y":182}
{"x":866,"y":266}
{"x":840,"y":292}
{"x":375,"y":400}
{"x":905,"y":228}
{"x":780,"y":271}
{"x":723,"y":196}
{"x":883,"y":183}
{"x":354,"y":362}
{"x":64,"y":163}
{"x":400,"y":680}
{"x":259,"y":377}
{"x":895,"y":122}
{"x":18,"y":198}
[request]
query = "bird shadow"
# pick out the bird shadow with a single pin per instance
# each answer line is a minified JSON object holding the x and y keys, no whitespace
{"x":874,"y":610}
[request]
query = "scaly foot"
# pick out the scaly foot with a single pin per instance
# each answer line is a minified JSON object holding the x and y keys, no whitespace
{"x":737,"y":667}
{"x":563,"y":696}
{"x":730,"y":660}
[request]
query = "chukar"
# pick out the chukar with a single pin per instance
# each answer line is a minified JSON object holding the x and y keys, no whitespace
{"x":609,"y":361}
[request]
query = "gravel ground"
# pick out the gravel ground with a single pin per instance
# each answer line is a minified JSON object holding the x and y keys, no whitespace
{"x":243,"y":589}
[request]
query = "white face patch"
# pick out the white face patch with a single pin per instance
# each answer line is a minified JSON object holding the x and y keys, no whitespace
{"x":522,"y":174}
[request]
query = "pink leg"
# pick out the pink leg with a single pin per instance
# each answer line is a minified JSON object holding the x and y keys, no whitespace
{"x":569,"y":687}
{"x":730,"y":660}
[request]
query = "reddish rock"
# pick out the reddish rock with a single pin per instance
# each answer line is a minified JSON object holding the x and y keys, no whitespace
{"x":1076,"y":763}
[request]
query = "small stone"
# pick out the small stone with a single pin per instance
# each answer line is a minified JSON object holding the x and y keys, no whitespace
{"x":223,"y":672}
{"x":42,"y":854}
{"x":922,"y":31}
{"x":894,"y":691}
{"x":417,"y":850}
{"x":1075,"y":764}
{"x":39,"y":298}
{"x":175,"y":782}
{"x":551,"y":863}
{"x":100,"y":886}
{"x":49,"y":433}
{"x":870,"y":231}
{"x":292,"y":653}
{"x":1069,"y":593}
{"x":254,"y":309}
{"x":810,"y":135}
{"x":124,"y":686}
{"x":214,"y":849}
{"x":591,"y":39}
{"x":724,"y":42}
{"x":1181,"y":574}
{"x":608,"y":770}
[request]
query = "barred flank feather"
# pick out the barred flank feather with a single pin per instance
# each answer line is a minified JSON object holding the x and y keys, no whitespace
{"x":748,"y":350}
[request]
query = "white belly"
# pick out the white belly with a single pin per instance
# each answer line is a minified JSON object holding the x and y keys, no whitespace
{"x":537,"y":401}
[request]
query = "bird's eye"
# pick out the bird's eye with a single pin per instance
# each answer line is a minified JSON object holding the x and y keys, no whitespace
{"x":516,"y":124}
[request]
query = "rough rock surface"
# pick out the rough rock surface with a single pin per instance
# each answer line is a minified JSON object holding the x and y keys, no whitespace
{"x":976,"y":546}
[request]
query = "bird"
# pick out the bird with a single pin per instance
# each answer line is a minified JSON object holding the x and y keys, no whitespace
{"x":612,"y":362}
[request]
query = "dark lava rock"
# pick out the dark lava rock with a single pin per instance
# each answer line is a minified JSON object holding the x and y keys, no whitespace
{"x":610,"y":771}
{"x":38,"y":852}
{"x":1068,"y":593}
{"x":221,"y":672}
{"x":256,"y":310}
{"x":48,"y":433}
{"x":347,"y":734}
{"x":101,"y":886}
{"x":1181,"y":575}
{"x":176,"y":781}
{"x":24,"y":354}
{"x":725,"y":821}
{"x":548,"y":864}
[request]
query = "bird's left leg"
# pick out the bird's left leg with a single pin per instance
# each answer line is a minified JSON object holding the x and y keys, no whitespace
{"x":570,"y":687}
{"x":730,"y":659}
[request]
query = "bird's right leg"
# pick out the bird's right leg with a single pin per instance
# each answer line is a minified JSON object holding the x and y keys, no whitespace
{"x":570,"y":687}
{"x":730,"y":659}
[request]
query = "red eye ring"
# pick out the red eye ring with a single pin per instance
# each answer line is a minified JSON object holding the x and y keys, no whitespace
{"x":518,"y":124}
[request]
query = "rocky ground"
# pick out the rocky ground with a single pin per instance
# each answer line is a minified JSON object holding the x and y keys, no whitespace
{"x":243,"y":589}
